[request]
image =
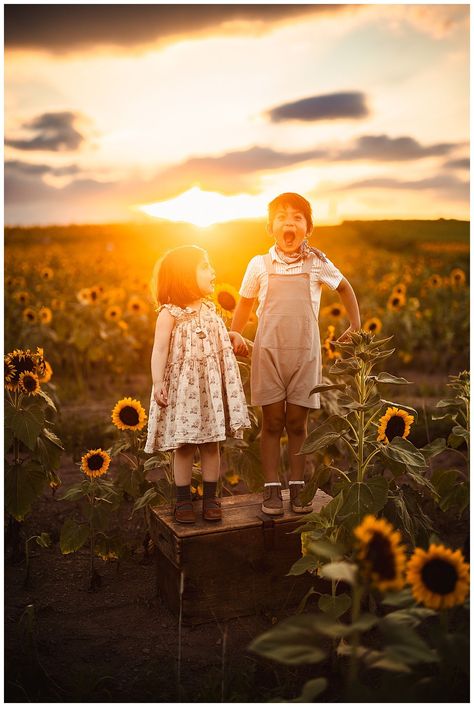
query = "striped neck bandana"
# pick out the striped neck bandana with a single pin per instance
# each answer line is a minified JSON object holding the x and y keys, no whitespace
{"x":304,"y":251}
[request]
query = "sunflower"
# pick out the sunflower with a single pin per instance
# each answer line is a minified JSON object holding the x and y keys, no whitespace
{"x":95,"y":463}
{"x":123,"y":325}
{"x":84,"y":295}
{"x":22,"y":297}
{"x":47,"y":273}
{"x":328,"y":345}
{"x":395,"y":423}
{"x":113,"y":313}
{"x":400,"y":289}
{"x":333,"y":310}
{"x":136,"y":305}
{"x":45,"y":315}
{"x":29,"y":315}
{"x":380,"y":553}
{"x":233,"y":479}
{"x":21,"y":361}
{"x":57,"y":303}
{"x":48,"y":373}
{"x":373,"y":325}
{"x":457,"y":277}
{"x":434,"y":281}
{"x":396,"y":302}
{"x":128,"y":414}
{"x":9,"y":371}
{"x":95,"y":293}
{"x":29,"y":383}
{"x":226,"y":297}
{"x":439,"y":577}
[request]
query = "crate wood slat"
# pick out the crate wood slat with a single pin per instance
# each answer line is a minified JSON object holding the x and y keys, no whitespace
{"x":234,"y":567}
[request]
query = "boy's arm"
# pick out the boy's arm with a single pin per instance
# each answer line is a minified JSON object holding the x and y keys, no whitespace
{"x":242,"y":313}
{"x":349,"y":300}
{"x":159,"y":356}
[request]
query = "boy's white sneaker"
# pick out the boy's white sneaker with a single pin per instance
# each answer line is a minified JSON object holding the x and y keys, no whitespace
{"x":272,"y":500}
{"x":296,"y":502}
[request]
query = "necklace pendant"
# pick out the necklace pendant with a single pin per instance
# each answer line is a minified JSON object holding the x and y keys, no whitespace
{"x":200,"y":332}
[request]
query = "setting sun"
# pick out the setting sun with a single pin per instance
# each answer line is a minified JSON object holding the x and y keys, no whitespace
{"x":204,"y":208}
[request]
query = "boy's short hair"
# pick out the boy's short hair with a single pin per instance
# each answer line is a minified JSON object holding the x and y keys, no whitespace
{"x":296,"y":201}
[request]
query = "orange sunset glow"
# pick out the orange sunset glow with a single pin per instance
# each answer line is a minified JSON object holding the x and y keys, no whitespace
{"x":363,"y":109}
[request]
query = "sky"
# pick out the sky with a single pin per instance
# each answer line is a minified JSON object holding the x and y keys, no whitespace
{"x":204,"y":113}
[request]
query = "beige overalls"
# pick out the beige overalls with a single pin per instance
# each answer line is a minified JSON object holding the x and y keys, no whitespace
{"x":286,"y":358}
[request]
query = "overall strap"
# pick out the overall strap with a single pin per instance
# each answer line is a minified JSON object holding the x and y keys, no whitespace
{"x":268,"y":262}
{"x":308,"y":264}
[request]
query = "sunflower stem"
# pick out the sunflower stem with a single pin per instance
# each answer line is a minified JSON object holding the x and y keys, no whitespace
{"x":353,"y":664}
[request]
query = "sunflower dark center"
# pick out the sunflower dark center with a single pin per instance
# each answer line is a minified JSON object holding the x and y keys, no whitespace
{"x":380,"y":555}
{"x":396,"y":301}
{"x":129,"y":416}
{"x":226,"y":300}
{"x":21,"y":366}
{"x":95,"y":462}
{"x":29,"y":383}
{"x":372,"y":326}
{"x":93,"y":295}
{"x":439,"y":576}
{"x":30,"y":315}
{"x":335,"y":311}
{"x":395,"y":427}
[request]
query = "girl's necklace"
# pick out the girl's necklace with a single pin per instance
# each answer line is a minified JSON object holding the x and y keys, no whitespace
{"x":198,"y":330}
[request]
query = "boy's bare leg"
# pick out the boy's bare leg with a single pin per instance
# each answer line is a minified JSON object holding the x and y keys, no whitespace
{"x":297,"y":429}
{"x":272,"y":428}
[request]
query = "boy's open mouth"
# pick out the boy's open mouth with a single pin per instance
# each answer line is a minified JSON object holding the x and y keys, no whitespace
{"x":289,"y":237}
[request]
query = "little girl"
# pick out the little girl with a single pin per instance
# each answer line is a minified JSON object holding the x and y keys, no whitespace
{"x":197,"y":398}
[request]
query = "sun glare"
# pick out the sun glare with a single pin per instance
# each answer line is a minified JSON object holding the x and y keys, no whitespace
{"x":205,"y":208}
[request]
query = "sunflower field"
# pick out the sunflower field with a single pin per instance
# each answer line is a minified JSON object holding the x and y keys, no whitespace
{"x":390,"y":444}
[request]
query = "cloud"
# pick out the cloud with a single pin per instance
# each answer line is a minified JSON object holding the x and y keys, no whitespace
{"x":27,"y":169}
{"x":330,"y":106}
{"x":446,"y":184}
{"x":463,"y":163}
{"x":54,"y":132}
{"x":71,"y":27}
{"x":385,"y":148}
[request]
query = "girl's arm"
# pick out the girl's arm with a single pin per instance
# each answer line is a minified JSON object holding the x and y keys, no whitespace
{"x":349,"y":300}
{"x":159,"y":356}
{"x":239,"y":320}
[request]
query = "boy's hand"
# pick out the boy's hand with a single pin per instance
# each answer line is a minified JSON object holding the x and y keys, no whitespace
{"x":238,"y":344}
{"x":345,"y":335}
{"x":160,"y":395}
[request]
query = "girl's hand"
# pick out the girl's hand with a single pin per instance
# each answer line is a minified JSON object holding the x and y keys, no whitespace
{"x":238,"y":344}
{"x":160,"y":395}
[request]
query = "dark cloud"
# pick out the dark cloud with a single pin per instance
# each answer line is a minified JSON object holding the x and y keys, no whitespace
{"x":331,"y":106}
{"x":72,"y":27}
{"x":228,"y":173}
{"x":463,"y":163}
{"x":28,"y":169}
{"x":447,"y":184}
{"x":54,"y":132}
{"x":385,"y":148}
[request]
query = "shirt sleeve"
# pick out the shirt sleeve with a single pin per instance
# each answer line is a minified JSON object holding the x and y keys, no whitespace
{"x":329,"y":274}
{"x":251,"y":284}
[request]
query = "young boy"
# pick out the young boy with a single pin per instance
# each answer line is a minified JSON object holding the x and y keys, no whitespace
{"x":286,"y":358}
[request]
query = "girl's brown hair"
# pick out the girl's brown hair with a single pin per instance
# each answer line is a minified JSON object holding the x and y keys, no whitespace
{"x":174,"y":276}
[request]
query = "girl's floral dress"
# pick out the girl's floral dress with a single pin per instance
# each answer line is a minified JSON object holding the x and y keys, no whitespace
{"x":206,"y":401}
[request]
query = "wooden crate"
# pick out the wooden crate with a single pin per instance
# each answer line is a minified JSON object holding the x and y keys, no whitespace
{"x":235,"y":567}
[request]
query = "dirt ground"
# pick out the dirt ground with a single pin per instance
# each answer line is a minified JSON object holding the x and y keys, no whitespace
{"x":65,"y":643}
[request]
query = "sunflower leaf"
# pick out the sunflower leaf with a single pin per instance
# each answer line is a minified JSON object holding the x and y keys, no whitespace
{"x":301,"y":566}
{"x":340,"y":571}
{"x":24,"y":483}
{"x":311,"y":689}
{"x":403,"y":451}
{"x":379,"y":355}
{"x":435,"y":447}
{"x":26,"y":424}
{"x":384,"y":377}
{"x":363,"y":498}
{"x":336,"y":605}
{"x":404,"y":644}
{"x":292,"y":641}
{"x":325,"y":434}
{"x":400,"y":405}
{"x":328,"y":386}
{"x":73,"y":536}
{"x":345,"y":365}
